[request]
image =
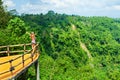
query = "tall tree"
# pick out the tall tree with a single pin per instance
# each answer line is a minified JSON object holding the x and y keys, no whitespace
{"x":17,"y":27}
{"x":4,"y":17}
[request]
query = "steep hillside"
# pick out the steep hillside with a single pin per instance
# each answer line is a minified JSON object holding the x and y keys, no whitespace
{"x":75,"y":47}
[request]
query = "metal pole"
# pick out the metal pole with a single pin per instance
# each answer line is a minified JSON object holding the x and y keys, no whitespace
{"x":37,"y":70}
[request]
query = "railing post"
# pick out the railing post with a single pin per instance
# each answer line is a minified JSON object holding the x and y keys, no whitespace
{"x":23,"y":59}
{"x":8,"y":50}
{"x":24,"y":48}
{"x":23,"y":54}
{"x":32,"y":53}
{"x":32,"y":56}
{"x":11,"y":67}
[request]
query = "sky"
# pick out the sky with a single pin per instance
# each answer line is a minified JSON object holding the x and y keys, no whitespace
{"x":110,"y":8}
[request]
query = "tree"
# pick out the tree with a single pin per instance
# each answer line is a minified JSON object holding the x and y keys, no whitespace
{"x":62,"y":56}
{"x":17,"y":27}
{"x":4,"y":17}
{"x":13,"y":12}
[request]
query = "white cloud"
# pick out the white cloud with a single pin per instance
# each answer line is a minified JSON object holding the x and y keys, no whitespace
{"x":62,"y":5}
{"x":32,"y":8}
{"x":79,"y":7}
{"x":8,"y":3}
{"x":53,"y":2}
{"x":117,"y":7}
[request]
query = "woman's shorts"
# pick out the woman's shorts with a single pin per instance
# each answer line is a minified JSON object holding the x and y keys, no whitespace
{"x":33,"y":42}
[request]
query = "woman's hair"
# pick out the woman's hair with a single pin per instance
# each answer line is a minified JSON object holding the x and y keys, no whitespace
{"x":32,"y":32}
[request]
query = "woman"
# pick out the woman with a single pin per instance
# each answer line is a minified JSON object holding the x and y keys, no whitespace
{"x":32,"y":35}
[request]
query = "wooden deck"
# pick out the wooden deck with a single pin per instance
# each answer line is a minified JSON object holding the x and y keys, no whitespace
{"x":17,"y":69}
{"x":12,"y":66}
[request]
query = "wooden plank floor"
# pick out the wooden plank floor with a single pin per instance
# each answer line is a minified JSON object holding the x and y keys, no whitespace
{"x":18,"y":69}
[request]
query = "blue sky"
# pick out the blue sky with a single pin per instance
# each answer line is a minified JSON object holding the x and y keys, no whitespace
{"x":110,"y":8}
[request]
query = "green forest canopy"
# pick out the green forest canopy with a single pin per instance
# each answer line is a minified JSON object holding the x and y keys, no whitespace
{"x":60,"y":37}
{"x":62,"y":56}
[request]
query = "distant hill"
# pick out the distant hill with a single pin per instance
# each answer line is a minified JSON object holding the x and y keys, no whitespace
{"x":63,"y":57}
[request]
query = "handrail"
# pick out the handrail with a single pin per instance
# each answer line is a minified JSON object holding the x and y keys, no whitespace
{"x":13,"y":46}
{"x":2,"y":52}
{"x":12,"y":68}
{"x":14,"y":59}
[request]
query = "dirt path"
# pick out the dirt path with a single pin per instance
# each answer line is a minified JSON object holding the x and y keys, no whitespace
{"x":83,"y":46}
{"x":86,"y":50}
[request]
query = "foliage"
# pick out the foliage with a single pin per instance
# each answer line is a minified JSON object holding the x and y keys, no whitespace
{"x":15,"y":33}
{"x":16,"y":27}
{"x":63,"y":58}
{"x":60,"y":37}
{"x":4,"y":16}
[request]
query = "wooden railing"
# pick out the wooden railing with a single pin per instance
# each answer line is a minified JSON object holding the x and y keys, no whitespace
{"x":8,"y":51}
{"x":25,"y":50}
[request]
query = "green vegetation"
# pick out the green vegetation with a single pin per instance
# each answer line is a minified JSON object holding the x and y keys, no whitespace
{"x":63,"y":55}
{"x":72,"y":47}
{"x":12,"y":29}
{"x":4,"y":16}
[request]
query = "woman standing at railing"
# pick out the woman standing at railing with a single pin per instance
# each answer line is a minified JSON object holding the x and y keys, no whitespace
{"x":32,"y":35}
